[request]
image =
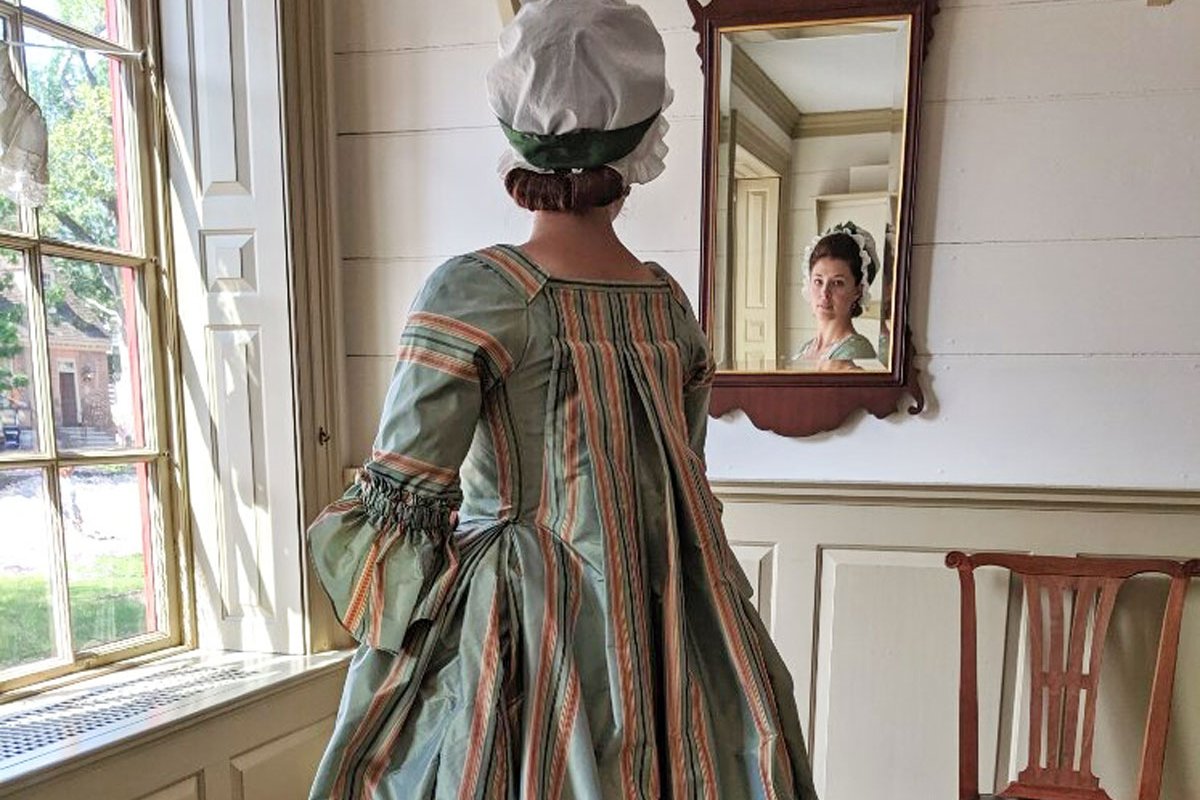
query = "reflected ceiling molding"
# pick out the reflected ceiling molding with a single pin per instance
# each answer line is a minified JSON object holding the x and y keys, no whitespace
{"x":815,"y":32}
{"x":762,"y":146}
{"x":763,"y":92}
{"x":848,"y":123}
{"x":508,"y":10}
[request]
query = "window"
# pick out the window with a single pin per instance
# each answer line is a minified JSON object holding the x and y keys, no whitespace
{"x":84,"y":478}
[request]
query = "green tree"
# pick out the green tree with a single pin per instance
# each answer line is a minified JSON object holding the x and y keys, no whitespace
{"x":73,"y":88}
{"x":11,"y":317}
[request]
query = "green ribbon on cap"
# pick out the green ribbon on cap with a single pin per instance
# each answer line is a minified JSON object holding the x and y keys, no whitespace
{"x":582,"y":149}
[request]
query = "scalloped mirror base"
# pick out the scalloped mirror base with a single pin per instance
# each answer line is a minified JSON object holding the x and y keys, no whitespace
{"x":808,"y":410}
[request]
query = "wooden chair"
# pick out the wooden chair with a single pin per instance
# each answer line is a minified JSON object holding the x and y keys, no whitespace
{"x":1059,"y":674}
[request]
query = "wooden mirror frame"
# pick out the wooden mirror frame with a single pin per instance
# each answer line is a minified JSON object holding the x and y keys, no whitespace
{"x":802,"y":404}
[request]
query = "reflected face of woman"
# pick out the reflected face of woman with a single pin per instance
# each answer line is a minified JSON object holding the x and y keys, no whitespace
{"x":832,"y":289}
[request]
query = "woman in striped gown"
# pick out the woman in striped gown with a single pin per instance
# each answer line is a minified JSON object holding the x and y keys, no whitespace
{"x":532,"y":558}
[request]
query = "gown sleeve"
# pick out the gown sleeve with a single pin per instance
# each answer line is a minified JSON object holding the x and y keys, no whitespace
{"x":699,"y":369}
{"x":384,"y":552}
{"x":696,"y":392}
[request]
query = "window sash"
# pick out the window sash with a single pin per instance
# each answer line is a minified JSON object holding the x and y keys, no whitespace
{"x":160,"y":393}
{"x":126,"y":19}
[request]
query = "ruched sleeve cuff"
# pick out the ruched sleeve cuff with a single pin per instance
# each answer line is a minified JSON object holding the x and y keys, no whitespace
{"x":386,"y":506}
{"x":385,"y":556}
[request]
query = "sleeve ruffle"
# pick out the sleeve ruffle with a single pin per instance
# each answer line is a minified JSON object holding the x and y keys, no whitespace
{"x":386,"y":557}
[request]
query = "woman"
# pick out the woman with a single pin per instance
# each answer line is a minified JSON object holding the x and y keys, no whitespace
{"x":532,"y":559}
{"x":841,"y":265}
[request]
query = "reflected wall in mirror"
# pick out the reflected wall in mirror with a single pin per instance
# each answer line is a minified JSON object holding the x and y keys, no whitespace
{"x":810,"y":170}
{"x":811,"y":117}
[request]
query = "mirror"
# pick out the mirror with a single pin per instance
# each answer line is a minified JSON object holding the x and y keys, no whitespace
{"x":811,"y":134}
{"x":810,"y":131}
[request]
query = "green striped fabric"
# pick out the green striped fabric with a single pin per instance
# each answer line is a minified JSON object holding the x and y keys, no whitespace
{"x":535,"y":566}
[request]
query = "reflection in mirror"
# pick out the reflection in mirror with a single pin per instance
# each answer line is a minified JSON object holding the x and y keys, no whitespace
{"x":810,"y":142}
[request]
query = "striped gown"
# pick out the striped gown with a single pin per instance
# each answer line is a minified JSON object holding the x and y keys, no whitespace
{"x":534,"y":564}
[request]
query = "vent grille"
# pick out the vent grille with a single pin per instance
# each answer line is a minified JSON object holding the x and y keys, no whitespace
{"x":97,"y":708}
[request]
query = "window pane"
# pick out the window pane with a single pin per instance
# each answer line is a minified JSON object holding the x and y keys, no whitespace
{"x":82,"y":97}
{"x":95,"y":369}
{"x":110,"y":552}
{"x":98,"y":17}
{"x":18,"y":406}
{"x":10,"y":215}
{"x":26,"y":606}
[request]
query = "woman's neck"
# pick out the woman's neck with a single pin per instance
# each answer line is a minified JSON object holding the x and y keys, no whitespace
{"x":556,"y":226}
{"x":580,"y":245}
{"x":832,"y":331}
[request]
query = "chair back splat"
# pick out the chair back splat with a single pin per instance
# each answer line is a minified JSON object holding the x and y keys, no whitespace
{"x":1069,"y":602}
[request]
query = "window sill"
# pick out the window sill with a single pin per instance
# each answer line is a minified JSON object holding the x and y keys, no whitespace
{"x":65,"y":727}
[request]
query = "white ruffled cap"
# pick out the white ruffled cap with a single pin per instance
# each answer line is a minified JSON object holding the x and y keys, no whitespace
{"x":569,"y":65}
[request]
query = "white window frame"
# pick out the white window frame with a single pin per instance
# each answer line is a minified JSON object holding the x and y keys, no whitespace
{"x":136,"y":50}
{"x":309,"y":138}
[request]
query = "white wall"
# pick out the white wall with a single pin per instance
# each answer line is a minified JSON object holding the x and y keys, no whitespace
{"x":1057,"y":233}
